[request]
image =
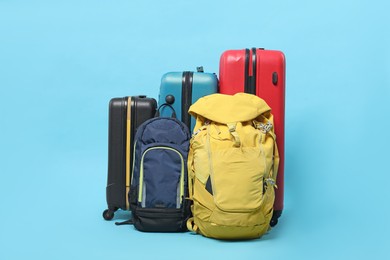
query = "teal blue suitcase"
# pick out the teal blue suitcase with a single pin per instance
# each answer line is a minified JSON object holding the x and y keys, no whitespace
{"x":181,"y":89}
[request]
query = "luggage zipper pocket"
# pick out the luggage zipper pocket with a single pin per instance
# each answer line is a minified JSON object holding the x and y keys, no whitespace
{"x":159,"y":213}
{"x":159,"y":220}
{"x":162,"y":168}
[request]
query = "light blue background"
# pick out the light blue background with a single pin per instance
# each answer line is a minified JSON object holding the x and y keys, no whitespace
{"x":61,"y":62}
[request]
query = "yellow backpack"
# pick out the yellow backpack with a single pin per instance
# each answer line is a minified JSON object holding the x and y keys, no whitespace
{"x":232,"y":166}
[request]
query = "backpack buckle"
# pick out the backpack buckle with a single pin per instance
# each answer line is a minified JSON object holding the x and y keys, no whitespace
{"x":265,"y":128}
{"x":271,"y":182}
{"x":201,"y":128}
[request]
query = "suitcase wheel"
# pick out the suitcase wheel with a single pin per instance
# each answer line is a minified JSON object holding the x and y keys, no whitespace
{"x":108,"y":214}
{"x":275,"y":217}
{"x":273,"y":222}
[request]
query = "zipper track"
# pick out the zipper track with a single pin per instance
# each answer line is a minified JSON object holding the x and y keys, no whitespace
{"x":186,"y":97}
{"x":159,"y":213}
{"x":254,"y":72}
{"x":129,"y":114}
{"x":246,"y":72}
{"x":250,"y":80}
{"x":141,"y":178}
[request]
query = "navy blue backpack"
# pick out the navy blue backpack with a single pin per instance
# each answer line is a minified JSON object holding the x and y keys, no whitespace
{"x":159,"y":186}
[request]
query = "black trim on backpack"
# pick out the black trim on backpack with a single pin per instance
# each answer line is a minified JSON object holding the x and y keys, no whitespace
{"x":160,"y":220}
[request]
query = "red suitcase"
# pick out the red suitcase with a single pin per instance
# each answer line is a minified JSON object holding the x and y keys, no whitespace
{"x":260,"y":72}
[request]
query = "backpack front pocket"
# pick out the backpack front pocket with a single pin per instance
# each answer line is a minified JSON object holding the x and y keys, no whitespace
{"x":237,"y":184}
{"x":159,"y":220}
{"x":162,"y":174}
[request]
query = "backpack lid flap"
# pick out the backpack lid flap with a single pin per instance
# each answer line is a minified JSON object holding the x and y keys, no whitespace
{"x":225,"y":109}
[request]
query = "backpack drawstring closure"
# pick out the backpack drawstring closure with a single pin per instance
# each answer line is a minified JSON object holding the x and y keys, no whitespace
{"x":232,"y":130}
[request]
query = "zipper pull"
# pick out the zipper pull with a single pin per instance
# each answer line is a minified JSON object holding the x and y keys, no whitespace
{"x":272,"y":182}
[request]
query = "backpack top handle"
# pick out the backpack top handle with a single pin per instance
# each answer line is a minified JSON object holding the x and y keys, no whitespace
{"x":173,"y":115}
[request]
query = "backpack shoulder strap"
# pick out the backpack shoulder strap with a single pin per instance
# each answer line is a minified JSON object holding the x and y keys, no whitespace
{"x":191,"y":173}
{"x":275,"y":167}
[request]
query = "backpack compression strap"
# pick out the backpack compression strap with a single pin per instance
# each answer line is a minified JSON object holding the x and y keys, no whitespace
{"x":275,"y":167}
{"x":191,"y":175}
{"x":268,"y":129}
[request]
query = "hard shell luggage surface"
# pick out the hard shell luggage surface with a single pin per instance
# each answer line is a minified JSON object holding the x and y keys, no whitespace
{"x":260,"y":72}
{"x":125,"y":115}
{"x":185,"y":88}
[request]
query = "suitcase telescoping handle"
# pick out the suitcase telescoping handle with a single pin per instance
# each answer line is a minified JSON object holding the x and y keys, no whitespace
{"x":173,"y":115}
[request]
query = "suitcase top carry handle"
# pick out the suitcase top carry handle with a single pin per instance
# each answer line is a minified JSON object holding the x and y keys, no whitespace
{"x":165,"y":105}
{"x":200,"y":69}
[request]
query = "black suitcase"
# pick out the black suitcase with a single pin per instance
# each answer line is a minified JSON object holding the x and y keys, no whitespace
{"x":125,"y":115}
